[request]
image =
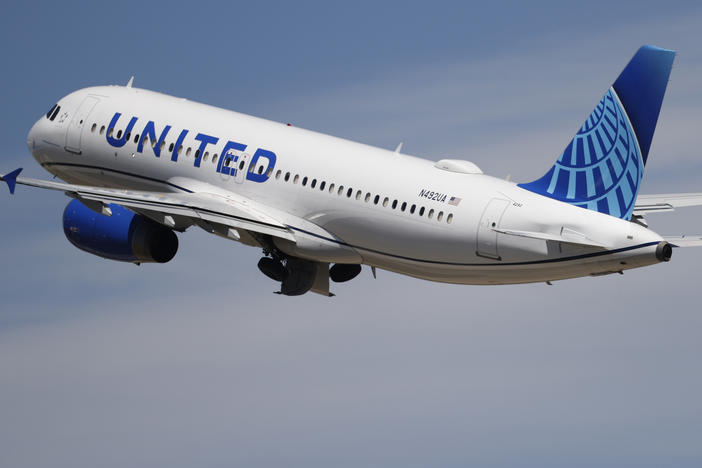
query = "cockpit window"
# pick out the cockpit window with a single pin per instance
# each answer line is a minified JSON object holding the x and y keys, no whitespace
{"x":48,"y":114}
{"x":56,"y":111}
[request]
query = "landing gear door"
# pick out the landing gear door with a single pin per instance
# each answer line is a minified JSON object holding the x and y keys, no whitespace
{"x":80,"y":120}
{"x":486,"y":244}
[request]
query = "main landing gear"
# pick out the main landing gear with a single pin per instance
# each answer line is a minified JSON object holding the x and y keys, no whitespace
{"x":297,"y":276}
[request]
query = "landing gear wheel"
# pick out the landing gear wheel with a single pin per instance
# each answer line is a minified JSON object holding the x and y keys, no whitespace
{"x":273,"y":269}
{"x":343,"y":272}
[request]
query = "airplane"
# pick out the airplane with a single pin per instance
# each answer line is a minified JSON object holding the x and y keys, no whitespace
{"x":141,"y":166}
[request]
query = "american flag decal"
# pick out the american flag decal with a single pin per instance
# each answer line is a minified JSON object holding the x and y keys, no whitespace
{"x":454,"y":201}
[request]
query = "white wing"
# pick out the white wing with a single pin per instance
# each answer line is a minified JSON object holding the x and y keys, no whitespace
{"x":211,"y":211}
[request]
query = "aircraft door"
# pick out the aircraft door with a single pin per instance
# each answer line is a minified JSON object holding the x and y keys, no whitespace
{"x":486,"y":243}
{"x":80,"y":119}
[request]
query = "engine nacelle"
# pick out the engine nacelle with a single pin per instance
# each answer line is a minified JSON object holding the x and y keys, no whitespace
{"x":124,"y":236}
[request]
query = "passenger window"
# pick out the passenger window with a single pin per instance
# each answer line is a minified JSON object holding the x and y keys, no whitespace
{"x":241,"y":166}
{"x":331,"y":188}
{"x":277,"y":174}
{"x":197,"y":153}
{"x":102,"y":130}
{"x":341,"y":190}
{"x":358,"y":195}
{"x":287,"y":176}
{"x":440,"y":216}
{"x":413,"y":208}
{"x":187,"y":151}
{"x":109,"y":132}
{"x":368,"y":195}
{"x":214,"y":158}
{"x":92,"y":129}
{"x":421,"y":211}
{"x":349,"y":192}
{"x":431,"y":214}
{"x":449,"y":218}
{"x":119,"y":134}
{"x":314,"y":183}
{"x":321,"y":186}
{"x":260,"y":170}
{"x":394,"y":204}
{"x":385,"y":201}
{"x":404,"y":206}
{"x":136,"y":138}
{"x":297,"y":177}
{"x":170,"y":147}
{"x":304,"y":181}
{"x":128,"y":136}
{"x":206,"y":156}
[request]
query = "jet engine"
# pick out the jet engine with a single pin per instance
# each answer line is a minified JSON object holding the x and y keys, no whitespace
{"x":124,"y":236}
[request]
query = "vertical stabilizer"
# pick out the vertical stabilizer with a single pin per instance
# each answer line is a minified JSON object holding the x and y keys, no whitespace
{"x":602,"y":167}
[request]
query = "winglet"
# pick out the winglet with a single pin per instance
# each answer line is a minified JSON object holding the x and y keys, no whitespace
{"x":11,"y":179}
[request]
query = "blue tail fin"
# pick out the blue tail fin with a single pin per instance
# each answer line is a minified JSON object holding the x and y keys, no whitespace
{"x":602,"y":167}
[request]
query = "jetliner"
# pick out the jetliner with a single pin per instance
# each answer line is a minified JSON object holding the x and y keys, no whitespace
{"x":141,"y":166}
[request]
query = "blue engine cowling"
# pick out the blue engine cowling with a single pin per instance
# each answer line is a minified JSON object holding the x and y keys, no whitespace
{"x":124,"y":236}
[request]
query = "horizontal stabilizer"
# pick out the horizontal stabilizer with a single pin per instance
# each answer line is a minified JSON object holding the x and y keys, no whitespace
{"x":684,"y":241}
{"x":666,"y":202}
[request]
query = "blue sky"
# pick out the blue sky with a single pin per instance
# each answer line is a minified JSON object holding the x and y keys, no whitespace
{"x":196,"y":362}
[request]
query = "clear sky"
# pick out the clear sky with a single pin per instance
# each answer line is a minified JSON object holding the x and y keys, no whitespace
{"x":197,"y":363}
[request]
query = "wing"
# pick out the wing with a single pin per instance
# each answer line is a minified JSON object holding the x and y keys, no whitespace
{"x":665,"y":202}
{"x":225,"y":214}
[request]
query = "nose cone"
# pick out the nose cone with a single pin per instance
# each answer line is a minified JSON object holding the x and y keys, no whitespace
{"x":32,"y":136}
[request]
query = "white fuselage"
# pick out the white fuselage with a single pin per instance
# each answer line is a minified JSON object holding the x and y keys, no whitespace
{"x":354,"y":213}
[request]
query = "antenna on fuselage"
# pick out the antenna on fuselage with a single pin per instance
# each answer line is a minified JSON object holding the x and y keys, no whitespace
{"x":131,"y":80}
{"x":399,"y":148}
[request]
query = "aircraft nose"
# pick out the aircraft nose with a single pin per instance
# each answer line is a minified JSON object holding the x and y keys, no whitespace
{"x":33,"y":135}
